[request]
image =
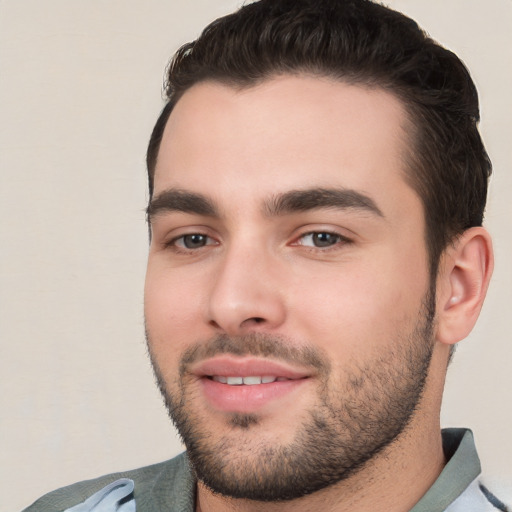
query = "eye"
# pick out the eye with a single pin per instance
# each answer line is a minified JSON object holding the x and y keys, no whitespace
{"x":321,"y":239}
{"x":192,"y":241}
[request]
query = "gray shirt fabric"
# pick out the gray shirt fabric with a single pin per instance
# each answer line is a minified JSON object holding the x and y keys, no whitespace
{"x":170,"y":487}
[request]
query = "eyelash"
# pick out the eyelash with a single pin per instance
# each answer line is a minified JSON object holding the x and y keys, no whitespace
{"x":173,"y":244}
{"x":339,"y":240}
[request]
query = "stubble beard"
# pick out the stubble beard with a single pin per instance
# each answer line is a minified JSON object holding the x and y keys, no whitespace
{"x":353,"y":421}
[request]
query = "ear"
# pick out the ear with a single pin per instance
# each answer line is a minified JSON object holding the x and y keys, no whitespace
{"x":463,"y":278}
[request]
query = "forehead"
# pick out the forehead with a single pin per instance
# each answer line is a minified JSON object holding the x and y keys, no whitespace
{"x":286,"y":133}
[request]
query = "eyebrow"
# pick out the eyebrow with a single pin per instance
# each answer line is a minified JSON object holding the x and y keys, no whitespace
{"x":318,"y":198}
{"x":177,"y":200}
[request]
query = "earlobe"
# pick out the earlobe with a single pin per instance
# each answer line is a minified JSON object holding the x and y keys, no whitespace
{"x":464,"y":274}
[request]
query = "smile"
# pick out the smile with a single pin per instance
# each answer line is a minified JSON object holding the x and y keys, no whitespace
{"x":247,"y":381}
{"x":249,"y":384}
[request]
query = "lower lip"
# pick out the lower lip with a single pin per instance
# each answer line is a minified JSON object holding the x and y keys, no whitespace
{"x":246,"y":399}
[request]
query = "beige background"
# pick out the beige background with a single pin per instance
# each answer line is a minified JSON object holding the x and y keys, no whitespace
{"x":80,"y":88}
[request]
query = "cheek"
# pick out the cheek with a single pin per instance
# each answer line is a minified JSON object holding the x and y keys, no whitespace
{"x":171,"y":307}
{"x":360,"y":309}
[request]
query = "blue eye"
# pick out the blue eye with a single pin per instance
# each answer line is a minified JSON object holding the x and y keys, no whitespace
{"x":192,"y":241}
{"x":320,"y":239}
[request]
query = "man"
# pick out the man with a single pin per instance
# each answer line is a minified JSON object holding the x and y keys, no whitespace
{"x":317,"y":187}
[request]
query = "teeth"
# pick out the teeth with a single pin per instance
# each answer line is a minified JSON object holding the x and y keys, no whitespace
{"x":251,"y":381}
{"x":248,"y":381}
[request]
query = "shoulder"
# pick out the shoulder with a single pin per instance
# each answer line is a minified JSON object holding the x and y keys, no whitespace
{"x":152,"y":484}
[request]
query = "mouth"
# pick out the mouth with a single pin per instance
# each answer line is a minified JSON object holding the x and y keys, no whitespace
{"x":236,"y":370}
{"x":246,"y":381}
{"x":248,"y":385}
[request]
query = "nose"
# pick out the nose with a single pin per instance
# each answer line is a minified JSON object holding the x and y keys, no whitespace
{"x":247,"y":293}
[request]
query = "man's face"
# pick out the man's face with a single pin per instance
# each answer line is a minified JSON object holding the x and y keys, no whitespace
{"x":287,"y":296}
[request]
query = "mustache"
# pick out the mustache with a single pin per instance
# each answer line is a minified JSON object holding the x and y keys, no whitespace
{"x":256,"y":344}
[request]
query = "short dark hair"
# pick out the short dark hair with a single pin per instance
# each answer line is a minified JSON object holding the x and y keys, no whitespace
{"x":357,"y":42}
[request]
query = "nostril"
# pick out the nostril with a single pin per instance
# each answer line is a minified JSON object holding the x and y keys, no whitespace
{"x":214,"y":324}
{"x":253,"y":320}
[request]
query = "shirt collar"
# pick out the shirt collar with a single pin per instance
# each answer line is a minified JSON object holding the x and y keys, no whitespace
{"x":462,"y":468}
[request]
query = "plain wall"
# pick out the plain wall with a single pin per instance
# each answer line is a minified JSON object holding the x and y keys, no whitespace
{"x":80,"y":89}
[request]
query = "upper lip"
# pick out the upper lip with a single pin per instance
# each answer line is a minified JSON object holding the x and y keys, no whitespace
{"x":231,"y":366}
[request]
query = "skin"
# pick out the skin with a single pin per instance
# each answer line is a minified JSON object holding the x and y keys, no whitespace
{"x":260,"y":273}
